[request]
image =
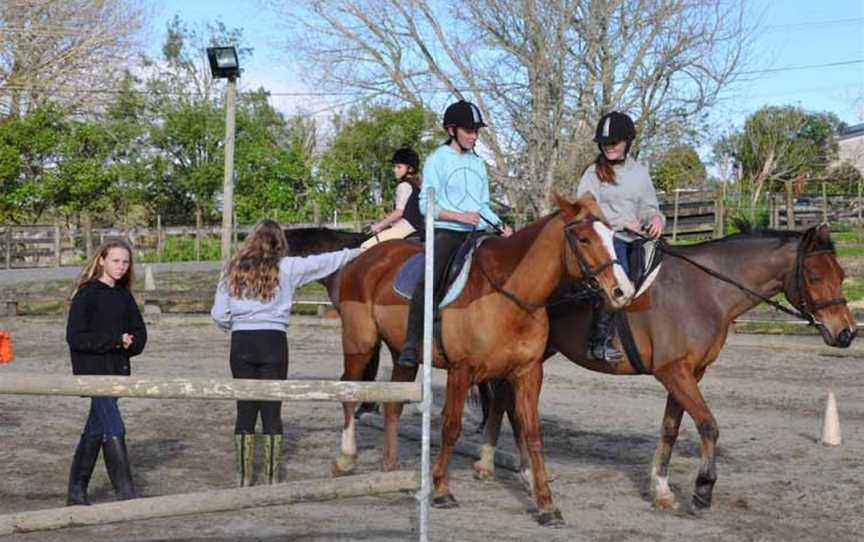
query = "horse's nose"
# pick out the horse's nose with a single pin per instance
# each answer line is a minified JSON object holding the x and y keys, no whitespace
{"x":617,"y":293}
{"x":845,"y":337}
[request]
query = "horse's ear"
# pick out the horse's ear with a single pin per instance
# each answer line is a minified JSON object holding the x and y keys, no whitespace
{"x":568,"y":208}
{"x":816,"y":237}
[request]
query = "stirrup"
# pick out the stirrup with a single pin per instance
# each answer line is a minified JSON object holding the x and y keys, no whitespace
{"x":408,"y":358}
{"x":604,"y":351}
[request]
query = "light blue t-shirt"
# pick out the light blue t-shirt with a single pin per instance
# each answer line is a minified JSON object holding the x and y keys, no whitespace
{"x":460,"y":183}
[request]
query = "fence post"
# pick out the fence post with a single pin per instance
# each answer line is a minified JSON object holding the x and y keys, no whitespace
{"x":824,"y":203}
{"x":675,"y":217}
{"x":316,"y":213}
{"x":159,"y":238}
{"x":790,"y":207}
{"x":234,"y":233}
{"x":88,"y":236}
{"x":9,"y":246}
{"x":198,"y":220}
{"x":58,"y":250}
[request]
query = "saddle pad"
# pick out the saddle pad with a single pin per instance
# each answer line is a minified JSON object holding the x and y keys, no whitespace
{"x":412,"y":270}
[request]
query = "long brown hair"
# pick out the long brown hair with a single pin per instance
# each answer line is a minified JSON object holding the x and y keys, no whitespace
{"x":604,"y":170}
{"x":93,"y":269}
{"x":254,"y":271}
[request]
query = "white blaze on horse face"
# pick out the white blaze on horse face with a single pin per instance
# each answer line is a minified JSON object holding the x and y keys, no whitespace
{"x":624,"y":283}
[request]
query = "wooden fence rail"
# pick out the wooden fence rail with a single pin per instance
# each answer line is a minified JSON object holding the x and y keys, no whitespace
{"x":209,"y":388}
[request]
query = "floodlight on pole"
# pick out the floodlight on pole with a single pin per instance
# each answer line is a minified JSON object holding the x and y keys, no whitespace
{"x":224,"y":64}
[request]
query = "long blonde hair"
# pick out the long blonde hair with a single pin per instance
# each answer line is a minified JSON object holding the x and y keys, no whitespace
{"x":254,"y":271}
{"x":93,"y":269}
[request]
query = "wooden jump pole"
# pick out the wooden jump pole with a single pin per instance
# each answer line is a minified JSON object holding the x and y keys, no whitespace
{"x":209,"y":501}
{"x":209,"y":388}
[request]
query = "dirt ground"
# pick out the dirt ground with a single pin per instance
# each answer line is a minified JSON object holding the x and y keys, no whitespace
{"x":776,"y":482}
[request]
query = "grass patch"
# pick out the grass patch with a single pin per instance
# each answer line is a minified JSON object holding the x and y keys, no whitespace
{"x":850,"y":250}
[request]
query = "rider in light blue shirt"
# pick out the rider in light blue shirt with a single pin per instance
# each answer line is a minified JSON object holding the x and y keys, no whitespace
{"x":460,"y":182}
{"x":461,"y":186}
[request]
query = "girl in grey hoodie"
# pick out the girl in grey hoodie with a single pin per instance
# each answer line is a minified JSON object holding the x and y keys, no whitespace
{"x":625,"y":193}
{"x":253,"y":302}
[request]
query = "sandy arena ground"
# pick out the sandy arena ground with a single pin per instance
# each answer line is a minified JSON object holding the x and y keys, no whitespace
{"x":768,"y":394}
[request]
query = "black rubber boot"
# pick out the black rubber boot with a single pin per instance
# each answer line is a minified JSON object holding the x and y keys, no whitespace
{"x":119,"y":471}
{"x":86,"y":455}
{"x":410,"y":355}
{"x":600,"y":348}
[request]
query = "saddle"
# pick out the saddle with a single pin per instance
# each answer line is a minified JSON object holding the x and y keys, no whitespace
{"x":411,"y":272}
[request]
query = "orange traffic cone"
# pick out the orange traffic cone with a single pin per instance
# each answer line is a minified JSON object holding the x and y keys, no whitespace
{"x":831,"y":423}
{"x":6,"y":353}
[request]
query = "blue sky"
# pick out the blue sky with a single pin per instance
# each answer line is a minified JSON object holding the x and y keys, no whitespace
{"x":796,"y":34}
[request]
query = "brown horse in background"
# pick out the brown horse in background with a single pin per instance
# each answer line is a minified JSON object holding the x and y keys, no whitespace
{"x":700,"y":290}
{"x":496,"y":328}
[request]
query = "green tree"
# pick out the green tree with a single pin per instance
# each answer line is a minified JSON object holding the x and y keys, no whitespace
{"x":781,"y":144}
{"x":357,"y":169}
{"x":30,"y":149}
{"x":679,"y":167}
{"x":272,"y":169}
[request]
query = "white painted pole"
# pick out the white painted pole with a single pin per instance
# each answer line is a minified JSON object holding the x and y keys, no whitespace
{"x":426,"y":402}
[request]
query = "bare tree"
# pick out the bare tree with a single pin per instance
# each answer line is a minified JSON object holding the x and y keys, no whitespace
{"x":62,"y":50}
{"x":542,"y":71}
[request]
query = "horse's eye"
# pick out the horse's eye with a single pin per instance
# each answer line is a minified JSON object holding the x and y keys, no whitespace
{"x":814,"y":277}
{"x":584,"y":240}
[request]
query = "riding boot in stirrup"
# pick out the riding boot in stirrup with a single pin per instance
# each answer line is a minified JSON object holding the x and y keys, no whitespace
{"x":273,"y":458}
{"x":410,"y":355}
{"x":244,"y":447}
{"x":600,"y":347}
{"x":119,"y":470}
{"x":86,"y":455}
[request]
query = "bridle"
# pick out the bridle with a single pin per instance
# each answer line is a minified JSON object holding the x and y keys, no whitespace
{"x":588,"y":280}
{"x":805,"y":308}
{"x":589,"y":275}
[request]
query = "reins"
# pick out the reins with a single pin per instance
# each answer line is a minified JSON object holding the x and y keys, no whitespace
{"x":588,"y":274}
{"x":805,"y":313}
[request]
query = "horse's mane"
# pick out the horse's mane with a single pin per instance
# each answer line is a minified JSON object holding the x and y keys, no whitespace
{"x":315,"y":240}
{"x":746,"y":231}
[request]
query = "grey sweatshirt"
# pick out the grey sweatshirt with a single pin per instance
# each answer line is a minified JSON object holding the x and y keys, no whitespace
{"x":232,"y":314}
{"x":632,"y":197}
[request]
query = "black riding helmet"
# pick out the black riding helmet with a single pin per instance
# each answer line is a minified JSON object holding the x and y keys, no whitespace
{"x":463,"y":114}
{"x":614,"y":127}
{"x":407,"y":156}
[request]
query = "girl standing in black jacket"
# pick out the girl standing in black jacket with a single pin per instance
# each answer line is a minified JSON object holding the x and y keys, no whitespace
{"x":104,"y":330}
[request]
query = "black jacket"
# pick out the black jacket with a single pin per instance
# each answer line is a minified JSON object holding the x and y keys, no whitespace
{"x":98,"y":318}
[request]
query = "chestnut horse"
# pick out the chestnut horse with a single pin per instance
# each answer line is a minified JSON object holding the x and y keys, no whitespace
{"x":700,"y":290}
{"x":496,"y":328}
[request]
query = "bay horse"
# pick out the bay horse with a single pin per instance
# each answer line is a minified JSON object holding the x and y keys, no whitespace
{"x":699,"y":291}
{"x":496,"y":328}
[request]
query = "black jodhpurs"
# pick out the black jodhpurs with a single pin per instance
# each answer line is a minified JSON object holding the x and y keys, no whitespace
{"x":446,"y":244}
{"x":263,"y":355}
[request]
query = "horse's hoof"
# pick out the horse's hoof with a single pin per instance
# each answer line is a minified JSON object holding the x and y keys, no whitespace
{"x":665,"y":502}
{"x":698,"y":507}
{"x":445,"y":502}
{"x":552,"y":518}
{"x":343,"y":466}
{"x":482,"y":473}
